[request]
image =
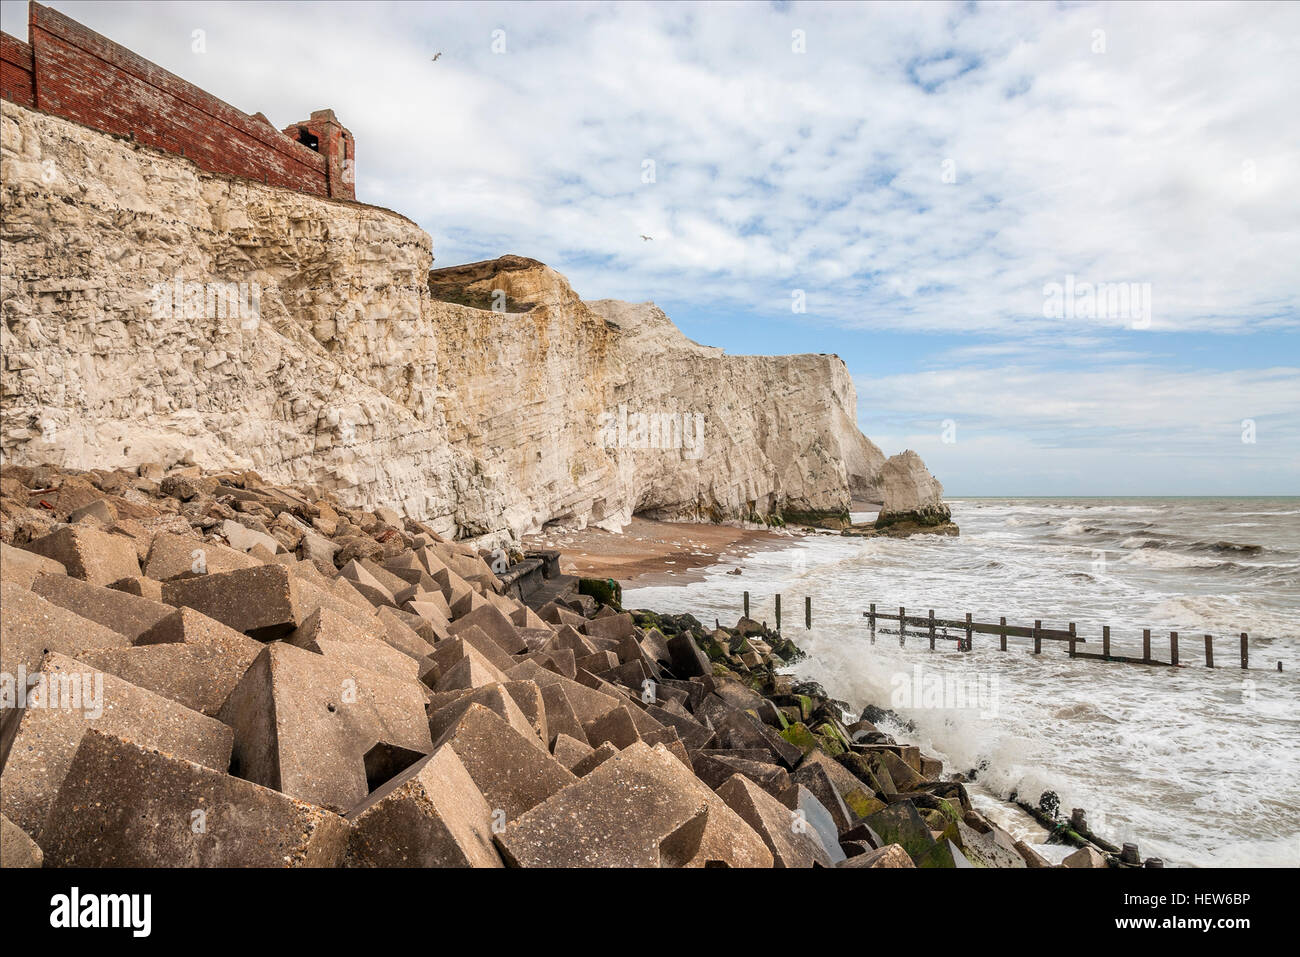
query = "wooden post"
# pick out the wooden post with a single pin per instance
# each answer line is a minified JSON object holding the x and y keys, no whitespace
{"x":746,"y":604}
{"x":1071,"y":639}
{"x":969,"y":634}
{"x":932,"y":629}
{"x":807,"y":611}
{"x":1209,"y":651}
{"x":1002,"y":635}
{"x":778,"y":614}
{"x":1038,"y":639}
{"x":902,"y":628}
{"x":1105,"y":642}
{"x":1146,"y":645}
{"x":1245,"y":655}
{"x":873,"y":622}
{"x":1173,"y":648}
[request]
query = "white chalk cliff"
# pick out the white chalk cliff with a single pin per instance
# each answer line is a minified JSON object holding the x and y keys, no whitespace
{"x":355,"y":368}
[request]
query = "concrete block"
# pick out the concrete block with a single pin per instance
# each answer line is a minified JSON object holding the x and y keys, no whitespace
{"x":17,"y":849}
{"x":303,"y":724}
{"x":569,"y":751}
{"x":165,"y":811}
{"x":69,"y":698}
{"x":785,"y":833}
{"x":30,"y":627}
{"x":127,"y":614}
{"x":263,"y":602}
{"x":186,"y":556}
{"x":512,"y":773}
{"x":638,"y":809}
{"x":431,"y":815}
{"x":328,"y":633}
{"x":89,"y":554}
{"x":21,"y":567}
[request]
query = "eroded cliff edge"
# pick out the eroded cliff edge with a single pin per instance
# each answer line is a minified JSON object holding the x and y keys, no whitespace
{"x":479,"y":411}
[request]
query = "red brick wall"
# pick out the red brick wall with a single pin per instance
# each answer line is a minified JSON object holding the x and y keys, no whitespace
{"x":91,"y":80}
{"x":16,"y":71}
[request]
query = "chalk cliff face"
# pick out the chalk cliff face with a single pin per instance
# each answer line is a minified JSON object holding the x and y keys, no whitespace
{"x":913,"y":498}
{"x":604,"y":409}
{"x":485,"y":399}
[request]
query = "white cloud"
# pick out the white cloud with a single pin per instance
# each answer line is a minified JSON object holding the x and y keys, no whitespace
{"x":1170,"y":159}
{"x":1110,"y":429}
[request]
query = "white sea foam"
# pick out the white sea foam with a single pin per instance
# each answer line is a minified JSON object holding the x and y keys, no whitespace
{"x":1199,"y":767}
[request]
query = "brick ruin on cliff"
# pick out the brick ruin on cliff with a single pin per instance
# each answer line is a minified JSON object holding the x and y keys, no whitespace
{"x":68,"y":70}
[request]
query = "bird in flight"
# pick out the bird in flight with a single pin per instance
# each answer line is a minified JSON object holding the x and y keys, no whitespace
{"x":646,"y":238}
{"x":435,"y":56}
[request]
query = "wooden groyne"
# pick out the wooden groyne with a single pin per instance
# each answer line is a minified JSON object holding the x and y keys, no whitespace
{"x":939,"y":629}
{"x":962,"y":631}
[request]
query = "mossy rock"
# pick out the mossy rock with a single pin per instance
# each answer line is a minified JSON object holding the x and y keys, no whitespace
{"x":901,"y":824}
{"x":861,"y":769}
{"x":806,"y":706}
{"x":938,"y":855}
{"x":712,"y":648}
{"x":827,"y":518}
{"x":934,"y":819}
{"x":924,"y":518}
{"x":646,"y":619}
{"x":786,"y":650}
{"x":740,"y":645}
{"x":830,"y":745}
{"x":722,"y":671}
{"x":799,"y":735}
{"x":832,"y":732}
{"x":861,"y":803}
{"x":604,"y":590}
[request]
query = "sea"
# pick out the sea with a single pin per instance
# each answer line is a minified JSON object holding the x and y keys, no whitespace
{"x":1198,"y":766}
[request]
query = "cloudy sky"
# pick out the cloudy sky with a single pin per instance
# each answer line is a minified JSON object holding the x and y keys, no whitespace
{"x":939,"y":188}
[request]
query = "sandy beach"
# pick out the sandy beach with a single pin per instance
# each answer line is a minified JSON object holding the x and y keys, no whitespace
{"x":656,"y":553}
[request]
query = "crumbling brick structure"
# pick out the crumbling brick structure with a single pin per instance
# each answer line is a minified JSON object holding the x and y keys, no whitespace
{"x":70,"y":71}
{"x":326,"y":135}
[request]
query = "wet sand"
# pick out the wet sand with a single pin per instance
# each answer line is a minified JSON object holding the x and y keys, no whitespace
{"x":655,"y":553}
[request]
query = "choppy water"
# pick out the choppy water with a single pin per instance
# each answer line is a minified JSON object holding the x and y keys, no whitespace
{"x":1200,"y":767}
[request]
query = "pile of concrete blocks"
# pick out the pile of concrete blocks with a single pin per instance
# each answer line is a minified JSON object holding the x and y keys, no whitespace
{"x":204,"y":669}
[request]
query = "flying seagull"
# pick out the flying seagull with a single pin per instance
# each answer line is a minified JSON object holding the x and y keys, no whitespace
{"x":435,"y":56}
{"x":646,"y":238}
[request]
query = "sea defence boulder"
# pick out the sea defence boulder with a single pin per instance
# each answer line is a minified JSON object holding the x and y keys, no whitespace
{"x":388,"y":705}
{"x":168,"y":812}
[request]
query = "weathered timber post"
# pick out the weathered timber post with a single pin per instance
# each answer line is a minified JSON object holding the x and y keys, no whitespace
{"x":1245,"y":654}
{"x":778,"y":614}
{"x":873,"y":622}
{"x":1002,"y":632}
{"x":1173,"y":648}
{"x":932,"y":629}
{"x":1105,"y":642}
{"x":970,"y":639}
{"x":1209,"y":651}
{"x":1038,"y":638}
{"x":746,"y":604}
{"x":1146,"y":646}
{"x":1072,"y":636}
{"x":902,"y":627}
{"x":807,"y":611}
